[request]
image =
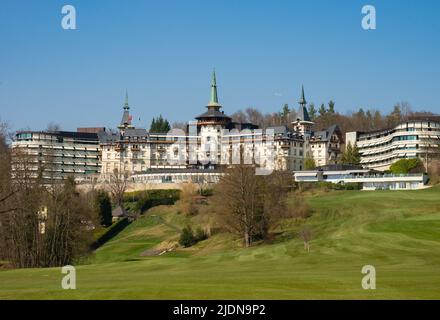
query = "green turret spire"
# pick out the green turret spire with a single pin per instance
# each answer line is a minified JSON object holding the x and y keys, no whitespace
{"x":214,"y":96}
{"x":126,"y":106}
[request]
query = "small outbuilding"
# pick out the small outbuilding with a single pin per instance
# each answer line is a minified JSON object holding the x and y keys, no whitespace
{"x":119,"y":213}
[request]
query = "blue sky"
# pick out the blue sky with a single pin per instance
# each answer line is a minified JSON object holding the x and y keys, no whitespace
{"x":164,"y":51}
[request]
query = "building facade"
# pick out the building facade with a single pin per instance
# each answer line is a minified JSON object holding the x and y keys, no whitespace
{"x":213,"y":141}
{"x":54,"y":155}
{"x":416,"y":137}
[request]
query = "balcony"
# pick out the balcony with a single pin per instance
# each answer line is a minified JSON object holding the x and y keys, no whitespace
{"x":119,"y":147}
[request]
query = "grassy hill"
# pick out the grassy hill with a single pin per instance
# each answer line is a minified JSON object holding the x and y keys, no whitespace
{"x":396,"y":231}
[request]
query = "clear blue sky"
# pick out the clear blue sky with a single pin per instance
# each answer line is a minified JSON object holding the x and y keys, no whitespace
{"x":163,"y":52}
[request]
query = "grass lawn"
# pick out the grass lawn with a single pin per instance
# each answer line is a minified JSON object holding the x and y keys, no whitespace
{"x":398,"y":232}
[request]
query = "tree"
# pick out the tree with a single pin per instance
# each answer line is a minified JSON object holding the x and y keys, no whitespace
{"x":285,"y":114}
{"x":103,"y":208}
{"x":322,"y":110}
{"x":309,"y":163}
{"x":395,"y":117}
{"x":118,"y":185}
{"x":239,"y":117}
{"x":160,"y":125}
{"x":68,"y":225}
{"x":312,"y":111}
{"x":351,"y":155}
{"x":248,"y":204}
{"x":180,"y":125}
{"x":187,"y":238}
{"x":331,"y":107}
{"x":187,"y":204}
{"x":254,"y":116}
{"x":53,"y":127}
{"x":306,"y":236}
{"x":405,"y":166}
{"x":48,"y":225}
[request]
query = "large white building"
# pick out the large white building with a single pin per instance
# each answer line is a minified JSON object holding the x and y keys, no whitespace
{"x":416,"y":137}
{"x":213,"y":140}
{"x":54,"y":155}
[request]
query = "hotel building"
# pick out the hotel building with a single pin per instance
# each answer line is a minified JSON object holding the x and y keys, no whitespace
{"x":54,"y":155}
{"x":416,"y":137}
{"x":213,"y":141}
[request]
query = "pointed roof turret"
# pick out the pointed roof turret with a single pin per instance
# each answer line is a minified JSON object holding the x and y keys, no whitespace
{"x":126,"y":117}
{"x":303,"y":114}
{"x":126,"y":105}
{"x":214,"y":106}
{"x":303,"y":101}
{"x":214,"y":96}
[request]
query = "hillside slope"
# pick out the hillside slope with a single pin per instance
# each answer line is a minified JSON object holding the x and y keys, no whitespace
{"x":398,"y":232}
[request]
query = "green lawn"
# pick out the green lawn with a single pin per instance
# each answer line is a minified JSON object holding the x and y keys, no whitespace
{"x":396,"y":231}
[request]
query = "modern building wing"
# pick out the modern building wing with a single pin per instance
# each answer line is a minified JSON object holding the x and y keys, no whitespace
{"x":416,"y":137}
{"x":369,"y":179}
{"x":54,"y":155}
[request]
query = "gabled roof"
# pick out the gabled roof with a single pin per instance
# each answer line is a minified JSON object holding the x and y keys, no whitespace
{"x":325,"y":135}
{"x":106,"y":137}
{"x":119,"y":212}
{"x":132,"y":132}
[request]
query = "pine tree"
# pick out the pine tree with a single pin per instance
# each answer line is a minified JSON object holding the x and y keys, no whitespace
{"x":285,"y":113}
{"x":160,"y":125}
{"x":312,"y":111}
{"x":331,"y":107}
{"x":351,"y":155}
{"x":322,"y":110}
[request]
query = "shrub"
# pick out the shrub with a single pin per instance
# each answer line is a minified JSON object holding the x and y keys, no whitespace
{"x":103,"y":208}
{"x":207,"y":192}
{"x":200,"y":234}
{"x":187,"y":238}
{"x":150,"y":198}
{"x":186,"y":204}
{"x":404,"y":166}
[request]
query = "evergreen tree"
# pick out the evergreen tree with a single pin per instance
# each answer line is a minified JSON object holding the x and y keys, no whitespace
{"x":331,"y":107}
{"x":285,"y":113}
{"x":153,"y":125}
{"x":351,"y":155}
{"x":322,"y":110}
{"x":312,"y":111}
{"x":187,"y":238}
{"x":103,"y":208}
{"x":160,"y":125}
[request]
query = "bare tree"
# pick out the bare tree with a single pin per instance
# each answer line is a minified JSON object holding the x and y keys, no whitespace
{"x":53,"y":127}
{"x":180,"y":125}
{"x":118,"y":185}
{"x":248,"y":204}
{"x":186,"y":202}
{"x":306,"y":236}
